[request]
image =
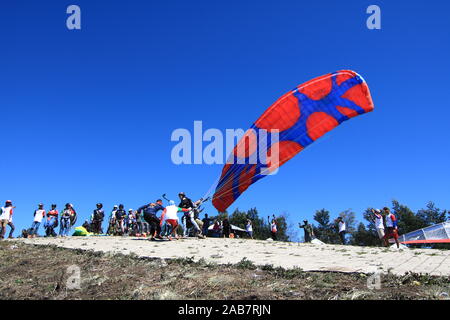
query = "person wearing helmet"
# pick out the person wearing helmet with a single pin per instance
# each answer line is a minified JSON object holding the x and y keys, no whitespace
{"x":97,"y":218}
{"x":150,"y":215}
{"x":39,"y":214}
{"x":6,"y":213}
{"x":185,"y":202}
{"x":120,"y":217}
{"x":188,"y":219}
{"x":51,"y":222}
{"x":379,"y":224}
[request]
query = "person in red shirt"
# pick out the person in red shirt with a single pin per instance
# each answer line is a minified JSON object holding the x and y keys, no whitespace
{"x":51,"y":222}
{"x":391,"y":226}
{"x":273,"y":228}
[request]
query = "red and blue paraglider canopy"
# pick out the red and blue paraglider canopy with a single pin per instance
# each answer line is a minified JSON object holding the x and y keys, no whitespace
{"x":298,"y":118}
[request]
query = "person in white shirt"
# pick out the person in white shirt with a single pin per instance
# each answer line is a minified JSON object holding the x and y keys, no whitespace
{"x":169,"y":219}
{"x":342,"y":227}
{"x":6,"y":219}
{"x":379,"y":224}
{"x":249,"y":228}
{"x":11,"y":225}
{"x":39,"y":214}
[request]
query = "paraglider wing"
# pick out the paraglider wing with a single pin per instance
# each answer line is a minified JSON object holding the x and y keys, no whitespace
{"x":235,"y":228}
{"x":299,"y":117}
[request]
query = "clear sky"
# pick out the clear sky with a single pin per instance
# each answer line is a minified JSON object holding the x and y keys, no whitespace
{"x":87,"y":115}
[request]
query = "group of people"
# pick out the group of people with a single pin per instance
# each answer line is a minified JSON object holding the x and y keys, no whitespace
{"x":51,"y":220}
{"x":385,"y":225}
{"x":145,"y":221}
{"x":153,"y":220}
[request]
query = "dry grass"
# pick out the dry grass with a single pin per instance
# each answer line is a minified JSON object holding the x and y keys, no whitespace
{"x":38,"y":272}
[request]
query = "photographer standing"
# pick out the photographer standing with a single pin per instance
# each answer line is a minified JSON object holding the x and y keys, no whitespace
{"x":379,"y":224}
{"x":308,"y":229}
{"x":341,"y":227}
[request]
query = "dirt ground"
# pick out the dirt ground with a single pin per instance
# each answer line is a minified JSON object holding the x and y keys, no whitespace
{"x":45,"y":272}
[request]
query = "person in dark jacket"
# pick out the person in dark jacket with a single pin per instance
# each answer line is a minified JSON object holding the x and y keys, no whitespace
{"x":150,"y":210}
{"x":98,"y":216}
{"x":188,"y":219}
{"x":226,"y":228}
{"x":308,"y":229}
{"x":139,"y":223}
{"x":206,"y":223}
{"x":120,"y":217}
{"x":185,"y":202}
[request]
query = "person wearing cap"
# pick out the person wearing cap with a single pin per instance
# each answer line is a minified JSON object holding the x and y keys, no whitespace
{"x":39,"y":214}
{"x":51,"y":222}
{"x":379,"y":224}
{"x":6,"y":213}
{"x":308,"y":230}
{"x":97,"y":218}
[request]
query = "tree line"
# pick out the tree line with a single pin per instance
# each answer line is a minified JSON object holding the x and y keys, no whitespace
{"x":325,"y":228}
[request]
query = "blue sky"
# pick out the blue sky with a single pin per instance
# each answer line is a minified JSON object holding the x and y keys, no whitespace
{"x":88,"y":114}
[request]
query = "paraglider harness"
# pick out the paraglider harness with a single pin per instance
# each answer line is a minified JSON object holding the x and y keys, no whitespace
{"x":50,"y":224}
{"x":88,"y":226}
{"x":97,"y":219}
{"x":72,"y":217}
{"x":131,"y":226}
